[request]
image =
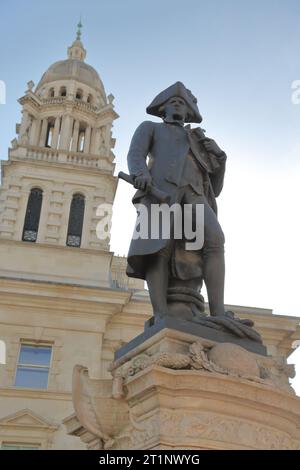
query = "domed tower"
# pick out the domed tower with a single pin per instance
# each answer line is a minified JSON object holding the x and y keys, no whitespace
{"x":59,"y":171}
{"x":64,"y":297}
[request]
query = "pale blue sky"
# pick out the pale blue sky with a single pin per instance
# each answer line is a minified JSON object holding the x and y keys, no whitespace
{"x":239,"y":58}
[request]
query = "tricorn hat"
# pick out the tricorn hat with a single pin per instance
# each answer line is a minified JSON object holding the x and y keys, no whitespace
{"x":178,"y":89}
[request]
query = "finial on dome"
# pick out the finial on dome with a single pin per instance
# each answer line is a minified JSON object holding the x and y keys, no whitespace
{"x":78,"y":33}
{"x":77,"y":51}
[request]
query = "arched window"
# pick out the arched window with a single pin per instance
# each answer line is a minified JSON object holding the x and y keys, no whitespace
{"x":63,"y":91}
{"x":90,"y":99}
{"x":51,"y":93}
{"x":79,"y":94}
{"x":32,"y":217}
{"x":76,"y":220}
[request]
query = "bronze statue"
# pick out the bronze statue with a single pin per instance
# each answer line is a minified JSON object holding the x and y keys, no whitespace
{"x":189,"y":168}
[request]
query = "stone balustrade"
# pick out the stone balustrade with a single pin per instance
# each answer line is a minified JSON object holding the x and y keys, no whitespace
{"x":79,"y":104}
{"x":61,"y":156}
{"x":43,"y":154}
{"x":53,"y":100}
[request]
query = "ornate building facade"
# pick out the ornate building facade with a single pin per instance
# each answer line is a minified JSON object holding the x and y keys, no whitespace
{"x":64,"y":296}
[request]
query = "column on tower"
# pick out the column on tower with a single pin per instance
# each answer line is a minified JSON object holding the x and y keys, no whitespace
{"x":92,"y":144}
{"x":87,"y":139}
{"x":35,"y":132}
{"x":43,"y":135}
{"x":54,"y":142}
{"x":66,"y":130}
{"x":107,"y":139}
{"x":97,"y":140}
{"x":24,"y":123}
{"x":75,"y":136}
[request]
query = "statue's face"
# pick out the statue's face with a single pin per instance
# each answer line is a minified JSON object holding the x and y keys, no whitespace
{"x":176,"y":108}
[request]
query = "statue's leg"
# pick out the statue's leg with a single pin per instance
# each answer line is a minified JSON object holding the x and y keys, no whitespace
{"x":214,"y":262}
{"x":213,"y":252}
{"x":157,"y":274}
{"x":157,"y":277}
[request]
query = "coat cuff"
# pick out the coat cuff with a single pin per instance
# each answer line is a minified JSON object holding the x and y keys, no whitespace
{"x":141,"y":173}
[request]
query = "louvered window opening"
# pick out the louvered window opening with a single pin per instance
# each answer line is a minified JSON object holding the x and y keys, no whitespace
{"x":32,"y":217}
{"x":76,"y":221}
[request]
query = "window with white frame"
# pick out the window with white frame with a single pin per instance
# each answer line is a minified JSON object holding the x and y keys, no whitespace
{"x":33,"y":365}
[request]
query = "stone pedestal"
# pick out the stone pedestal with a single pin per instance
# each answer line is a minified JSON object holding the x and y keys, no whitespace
{"x":179,"y":391}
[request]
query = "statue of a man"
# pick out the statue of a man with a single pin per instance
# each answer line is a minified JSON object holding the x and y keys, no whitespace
{"x":189,"y":167}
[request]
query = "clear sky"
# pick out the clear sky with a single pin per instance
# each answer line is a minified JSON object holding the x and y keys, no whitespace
{"x":239,"y":58}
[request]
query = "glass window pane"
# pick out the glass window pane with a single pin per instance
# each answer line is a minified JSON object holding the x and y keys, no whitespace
{"x":30,"y":377}
{"x":35,"y":355}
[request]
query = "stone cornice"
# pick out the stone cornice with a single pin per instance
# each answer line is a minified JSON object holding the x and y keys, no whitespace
{"x":31,"y":289}
{"x":47,"y":104}
{"x":87,"y":251}
{"x":13,"y":392}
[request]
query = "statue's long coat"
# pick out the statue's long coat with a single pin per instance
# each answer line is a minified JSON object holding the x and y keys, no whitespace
{"x":167,"y":145}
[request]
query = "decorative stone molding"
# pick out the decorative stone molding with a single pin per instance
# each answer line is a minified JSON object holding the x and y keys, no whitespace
{"x":184,"y":392}
{"x":27,"y":427}
{"x":224,"y":358}
{"x":218,"y":429}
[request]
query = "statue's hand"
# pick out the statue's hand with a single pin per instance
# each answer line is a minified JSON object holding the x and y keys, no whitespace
{"x":142,"y":182}
{"x":212,"y":147}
